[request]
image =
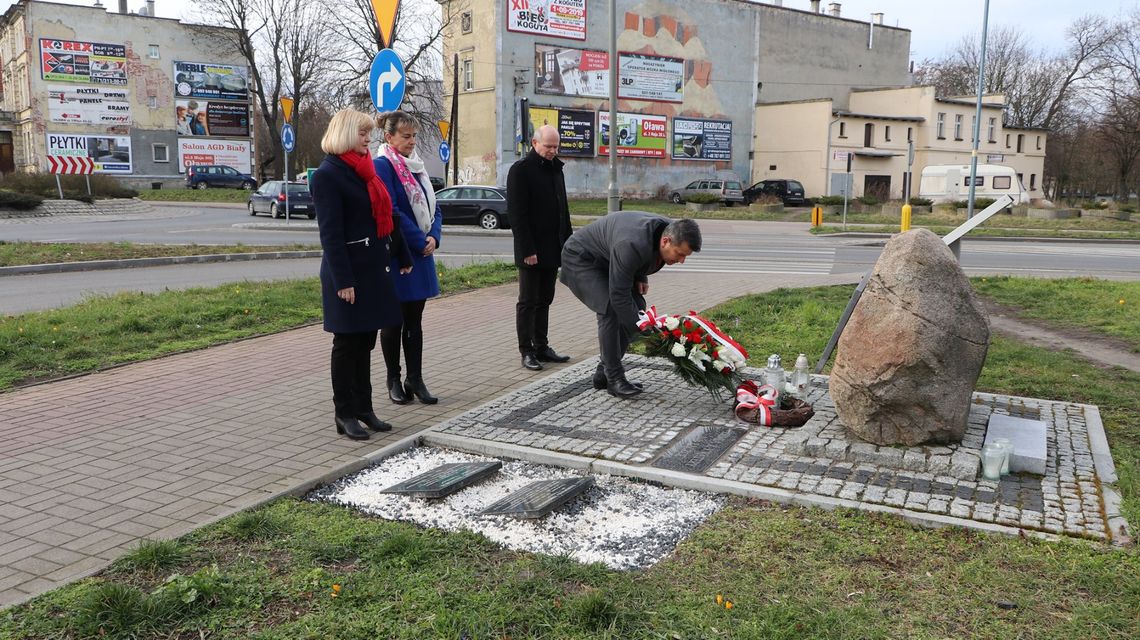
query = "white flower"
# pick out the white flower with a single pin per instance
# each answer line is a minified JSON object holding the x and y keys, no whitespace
{"x":678,"y":350}
{"x":672,"y":322}
{"x":720,"y":365}
{"x":698,"y":357}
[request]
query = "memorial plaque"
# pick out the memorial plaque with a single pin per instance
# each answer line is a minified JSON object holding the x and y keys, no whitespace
{"x":445,"y":480}
{"x":539,"y":498}
{"x":698,"y":449}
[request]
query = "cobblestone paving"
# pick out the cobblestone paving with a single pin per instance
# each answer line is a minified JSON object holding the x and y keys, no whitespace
{"x":564,"y":413}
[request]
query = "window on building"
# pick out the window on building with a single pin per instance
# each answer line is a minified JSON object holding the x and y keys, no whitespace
{"x":973,"y":127}
{"x":991,"y":130}
{"x":1007,"y":141}
{"x":1020,"y":142}
{"x":957,"y":126}
{"x":1038,"y":143}
{"x":910,"y":134}
{"x":465,"y":22}
{"x":1033,"y":182}
{"x":468,"y":74}
{"x":887,"y":132}
{"x":842,"y":129}
{"x":160,"y":152}
{"x":940,"y":131}
{"x":868,"y":135}
{"x":153,"y":51}
{"x":1002,"y":182}
{"x":152,"y":102}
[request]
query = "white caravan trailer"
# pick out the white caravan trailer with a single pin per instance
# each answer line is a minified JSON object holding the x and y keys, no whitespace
{"x":948,"y":182}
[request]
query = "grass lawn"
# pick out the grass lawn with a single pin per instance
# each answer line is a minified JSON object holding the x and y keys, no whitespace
{"x":195,"y":195}
{"x":24,"y":253}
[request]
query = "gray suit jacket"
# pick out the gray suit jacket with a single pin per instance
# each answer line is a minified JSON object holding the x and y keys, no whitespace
{"x":603,"y":262}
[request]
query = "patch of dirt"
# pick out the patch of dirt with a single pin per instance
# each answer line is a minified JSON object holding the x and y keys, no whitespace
{"x":1101,"y":350}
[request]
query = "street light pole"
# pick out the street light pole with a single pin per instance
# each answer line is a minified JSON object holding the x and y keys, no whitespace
{"x":613,"y":201}
{"x":827,"y":165}
{"x":956,"y":247}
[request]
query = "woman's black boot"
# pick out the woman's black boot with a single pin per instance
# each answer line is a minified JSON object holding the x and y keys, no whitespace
{"x":396,"y":392}
{"x":350,"y":427}
{"x":415,"y":387}
{"x":413,"y":354}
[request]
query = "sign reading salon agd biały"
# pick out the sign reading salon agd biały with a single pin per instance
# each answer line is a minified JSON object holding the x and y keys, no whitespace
{"x":213,"y":81}
{"x":696,"y":139}
{"x":111,"y":154}
{"x":107,"y":106}
{"x":639,"y":135}
{"x":232,"y":153}
{"x":558,"y":18}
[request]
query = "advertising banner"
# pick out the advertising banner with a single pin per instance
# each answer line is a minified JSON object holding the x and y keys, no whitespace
{"x":558,"y":18}
{"x":213,"y":118}
{"x":566,"y":71}
{"x":575,"y":129}
{"x":638,"y":134}
{"x":88,"y":105}
{"x":645,"y":77}
{"x":111,"y":154}
{"x":84,"y":62}
{"x":233,"y":153}
{"x":213,"y":81}
{"x":695,"y":139}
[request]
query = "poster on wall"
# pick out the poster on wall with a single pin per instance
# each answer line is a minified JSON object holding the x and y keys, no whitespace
{"x":111,"y":154}
{"x":638,"y":134}
{"x":84,"y":62}
{"x":695,"y":139}
{"x":88,"y":105}
{"x":213,"y":81}
{"x":232,"y":153}
{"x":575,"y":129}
{"x":211,"y":118}
{"x":646,"y":77}
{"x":558,"y":18}
{"x":566,"y":71}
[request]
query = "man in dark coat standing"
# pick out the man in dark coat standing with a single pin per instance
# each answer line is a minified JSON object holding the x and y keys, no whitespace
{"x":540,"y":222}
{"x":607,"y":265}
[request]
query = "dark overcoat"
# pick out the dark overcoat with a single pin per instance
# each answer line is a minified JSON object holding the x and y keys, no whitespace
{"x":423,"y":282}
{"x":353,"y":255}
{"x":538,"y":211}
{"x":603,"y":262}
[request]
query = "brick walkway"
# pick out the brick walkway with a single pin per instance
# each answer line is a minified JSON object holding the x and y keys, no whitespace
{"x":91,"y":465}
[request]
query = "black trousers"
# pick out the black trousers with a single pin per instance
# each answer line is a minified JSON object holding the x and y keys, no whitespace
{"x":411,"y":334}
{"x":613,"y":342}
{"x":532,"y":313}
{"x":351,"y":368}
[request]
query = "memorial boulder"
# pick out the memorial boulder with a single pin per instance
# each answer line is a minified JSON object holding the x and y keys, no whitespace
{"x":913,"y":348}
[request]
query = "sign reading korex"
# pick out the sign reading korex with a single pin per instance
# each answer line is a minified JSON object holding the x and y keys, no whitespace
{"x":88,"y":105}
{"x":83,"y":62}
{"x":558,"y":18}
{"x":214,"y":81}
{"x":213,"y":118}
{"x":575,"y":129}
{"x":111,"y":154}
{"x":695,"y":139}
{"x":233,"y":153}
{"x":566,"y":71}
{"x":646,"y":77}
{"x":638,"y":134}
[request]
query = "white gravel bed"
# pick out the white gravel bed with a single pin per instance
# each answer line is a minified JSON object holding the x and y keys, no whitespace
{"x":623,"y":524}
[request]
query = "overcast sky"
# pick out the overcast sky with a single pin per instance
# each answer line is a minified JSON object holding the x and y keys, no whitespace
{"x":936,"y":25}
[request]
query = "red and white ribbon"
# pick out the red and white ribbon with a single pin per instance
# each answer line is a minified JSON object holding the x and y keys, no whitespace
{"x":762,"y":398}
{"x":726,"y":343}
{"x":649,"y":318}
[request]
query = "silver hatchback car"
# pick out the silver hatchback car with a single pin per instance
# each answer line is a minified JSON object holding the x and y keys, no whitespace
{"x":730,"y":192}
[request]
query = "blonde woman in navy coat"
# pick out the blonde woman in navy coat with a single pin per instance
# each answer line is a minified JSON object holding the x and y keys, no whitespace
{"x":419,"y":220}
{"x":358,"y":238}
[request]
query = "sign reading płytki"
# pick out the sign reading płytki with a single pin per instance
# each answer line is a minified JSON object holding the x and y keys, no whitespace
{"x":208,"y":80}
{"x":646,"y":77}
{"x":89,"y":105}
{"x":567,"y":71}
{"x":85,"y":62}
{"x":108,"y":154}
{"x":232,"y":153}
{"x":638,"y":134}
{"x":575,"y":129}
{"x":558,"y":18}
{"x":695,"y":139}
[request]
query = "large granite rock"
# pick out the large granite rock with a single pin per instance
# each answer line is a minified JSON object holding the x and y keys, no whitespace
{"x":913,"y":348}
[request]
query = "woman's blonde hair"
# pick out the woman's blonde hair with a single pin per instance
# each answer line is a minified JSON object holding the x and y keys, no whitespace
{"x":340,"y":137}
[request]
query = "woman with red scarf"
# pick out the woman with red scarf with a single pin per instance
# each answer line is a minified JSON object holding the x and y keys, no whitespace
{"x":354,"y":215}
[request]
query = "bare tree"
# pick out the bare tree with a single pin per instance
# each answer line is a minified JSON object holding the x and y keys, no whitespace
{"x":1115,"y":99}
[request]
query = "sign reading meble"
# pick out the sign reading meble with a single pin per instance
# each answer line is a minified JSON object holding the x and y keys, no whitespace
{"x":558,"y":18}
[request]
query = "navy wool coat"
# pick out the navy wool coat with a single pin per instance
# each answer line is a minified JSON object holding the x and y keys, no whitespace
{"x":423,"y":282}
{"x":353,"y":254}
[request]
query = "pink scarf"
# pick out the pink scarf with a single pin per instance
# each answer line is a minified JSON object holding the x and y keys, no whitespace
{"x":423,"y":207}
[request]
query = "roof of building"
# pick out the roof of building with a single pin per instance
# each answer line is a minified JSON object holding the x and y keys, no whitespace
{"x":875,"y":116}
{"x":969,"y":103}
{"x":1017,"y":128}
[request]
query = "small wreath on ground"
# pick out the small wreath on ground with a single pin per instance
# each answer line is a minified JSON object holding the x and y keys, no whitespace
{"x":764,"y":405}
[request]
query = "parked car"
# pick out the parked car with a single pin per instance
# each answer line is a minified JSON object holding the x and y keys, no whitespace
{"x":729,"y":191}
{"x":790,"y":192}
{"x":437,"y":183}
{"x":201,"y":176}
{"x":474,"y":204}
{"x":270,"y":198}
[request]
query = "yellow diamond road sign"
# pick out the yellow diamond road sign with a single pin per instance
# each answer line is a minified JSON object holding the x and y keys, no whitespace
{"x":287,"y":109}
{"x":386,"y":11}
{"x":444,"y":128}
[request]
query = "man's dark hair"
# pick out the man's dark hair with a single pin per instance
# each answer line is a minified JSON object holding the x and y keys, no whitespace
{"x":684,"y":231}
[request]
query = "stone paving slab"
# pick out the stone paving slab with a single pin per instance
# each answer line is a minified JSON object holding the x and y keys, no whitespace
{"x":563,"y":413}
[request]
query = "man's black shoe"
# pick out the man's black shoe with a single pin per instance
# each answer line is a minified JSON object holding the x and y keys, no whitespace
{"x":599,"y":380}
{"x":546,"y":354}
{"x":622,"y":388}
{"x":531,"y":362}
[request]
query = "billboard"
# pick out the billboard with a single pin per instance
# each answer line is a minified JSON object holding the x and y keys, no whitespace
{"x":566,"y":71}
{"x":646,"y":77}
{"x":697,"y":139}
{"x":233,"y":153}
{"x":211,"y":81}
{"x":111,"y":154}
{"x":211,"y":118}
{"x":638,"y":134}
{"x":558,"y":18}
{"x":575,"y":129}
{"x":83,"y":62}
{"x":88,"y":105}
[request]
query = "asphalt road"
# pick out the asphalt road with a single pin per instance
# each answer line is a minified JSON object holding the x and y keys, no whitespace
{"x":732,"y":248}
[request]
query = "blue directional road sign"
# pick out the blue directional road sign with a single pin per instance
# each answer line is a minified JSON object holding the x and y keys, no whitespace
{"x":444,"y":152}
{"x":386,"y":81}
{"x":288,"y":137}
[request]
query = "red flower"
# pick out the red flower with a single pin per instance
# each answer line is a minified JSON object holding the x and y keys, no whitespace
{"x":676,"y":333}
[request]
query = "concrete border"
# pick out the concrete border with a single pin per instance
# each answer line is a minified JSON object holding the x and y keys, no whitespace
{"x":97,"y":265}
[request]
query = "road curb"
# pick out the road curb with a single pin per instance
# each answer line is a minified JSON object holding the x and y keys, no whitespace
{"x":96,"y":265}
{"x":886,"y":236}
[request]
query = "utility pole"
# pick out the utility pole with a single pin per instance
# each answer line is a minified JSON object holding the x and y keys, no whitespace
{"x":455,"y":119}
{"x":614,"y":200}
{"x":956,"y":247}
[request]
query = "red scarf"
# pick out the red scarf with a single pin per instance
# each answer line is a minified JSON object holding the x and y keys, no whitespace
{"x":361,"y":163}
